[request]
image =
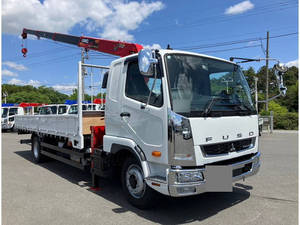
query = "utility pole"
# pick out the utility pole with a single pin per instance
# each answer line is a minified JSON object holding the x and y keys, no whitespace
{"x":267,"y":73}
{"x":226,"y":81}
{"x":5,"y":95}
{"x":83,"y":51}
{"x":256,"y":96}
{"x":92,"y":86}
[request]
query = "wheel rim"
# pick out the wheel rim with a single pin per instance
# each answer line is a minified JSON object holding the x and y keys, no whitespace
{"x":135,"y":181}
{"x":35,"y":149}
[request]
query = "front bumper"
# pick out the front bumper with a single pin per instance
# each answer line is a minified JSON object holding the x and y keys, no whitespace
{"x":6,"y":126}
{"x":240,"y":170}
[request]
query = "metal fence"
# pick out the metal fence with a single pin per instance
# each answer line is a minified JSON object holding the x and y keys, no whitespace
{"x":268,"y":123}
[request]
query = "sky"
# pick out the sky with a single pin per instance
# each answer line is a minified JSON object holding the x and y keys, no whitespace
{"x":219,"y":28}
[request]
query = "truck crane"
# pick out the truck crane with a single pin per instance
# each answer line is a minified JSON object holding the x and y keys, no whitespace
{"x":117,"y":48}
{"x":172,"y":124}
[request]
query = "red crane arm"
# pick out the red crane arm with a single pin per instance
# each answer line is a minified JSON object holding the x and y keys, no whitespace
{"x":118,"y":48}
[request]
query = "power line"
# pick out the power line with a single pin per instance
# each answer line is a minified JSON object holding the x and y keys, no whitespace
{"x":38,"y":54}
{"x":202,"y":9}
{"x":230,"y":49}
{"x":58,"y":59}
{"x":224,"y":18}
{"x":262,"y":47}
{"x":233,"y":42}
{"x":222,"y":36}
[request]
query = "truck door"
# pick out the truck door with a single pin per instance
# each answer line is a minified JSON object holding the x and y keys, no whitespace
{"x":147,"y":126}
{"x":11,"y":116}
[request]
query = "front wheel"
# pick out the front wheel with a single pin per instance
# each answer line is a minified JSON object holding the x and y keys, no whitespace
{"x":260,"y":129}
{"x":135,"y":188}
{"x":13,"y":129}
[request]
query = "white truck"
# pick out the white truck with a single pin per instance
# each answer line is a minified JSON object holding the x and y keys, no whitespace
{"x":53,"y":109}
{"x":8,"y":116}
{"x":171,"y":125}
{"x":9,"y":111}
{"x":73,"y":109}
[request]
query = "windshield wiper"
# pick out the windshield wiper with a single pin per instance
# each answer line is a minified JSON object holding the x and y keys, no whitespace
{"x":209,"y":106}
{"x":245,"y":106}
{"x":240,"y":107}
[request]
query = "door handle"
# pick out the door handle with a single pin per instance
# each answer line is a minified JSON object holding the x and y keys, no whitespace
{"x":123,"y":114}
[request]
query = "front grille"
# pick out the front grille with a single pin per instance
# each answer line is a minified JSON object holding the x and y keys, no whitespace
{"x":226,"y":147}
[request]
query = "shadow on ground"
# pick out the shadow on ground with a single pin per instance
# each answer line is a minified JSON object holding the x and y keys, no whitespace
{"x":168,"y":210}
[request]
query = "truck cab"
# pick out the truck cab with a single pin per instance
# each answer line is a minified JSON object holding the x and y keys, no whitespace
{"x":89,"y":107}
{"x":191,"y":113}
{"x":8,"y":116}
{"x":54,"y":109}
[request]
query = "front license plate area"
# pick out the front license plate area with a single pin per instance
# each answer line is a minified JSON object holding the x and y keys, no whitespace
{"x":218,"y":178}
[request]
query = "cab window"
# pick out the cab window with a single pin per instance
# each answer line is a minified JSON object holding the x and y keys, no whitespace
{"x":13,"y":111}
{"x":62,"y":109}
{"x":138,"y":87}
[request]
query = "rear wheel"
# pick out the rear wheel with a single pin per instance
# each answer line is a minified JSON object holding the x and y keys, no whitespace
{"x":36,"y":150}
{"x":135,"y":188}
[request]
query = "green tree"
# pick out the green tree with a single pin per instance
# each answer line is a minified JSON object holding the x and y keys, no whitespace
{"x":291,"y":98}
{"x":277,"y":108}
{"x":28,"y":93}
{"x":250,"y":77}
{"x":73,"y":96}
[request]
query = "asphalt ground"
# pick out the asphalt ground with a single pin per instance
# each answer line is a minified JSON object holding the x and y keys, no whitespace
{"x":55,"y":193}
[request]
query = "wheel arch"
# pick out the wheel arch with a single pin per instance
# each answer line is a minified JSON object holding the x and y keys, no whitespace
{"x":33,"y":135}
{"x":121,"y":152}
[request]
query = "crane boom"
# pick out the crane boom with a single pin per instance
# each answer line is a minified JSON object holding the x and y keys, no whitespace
{"x":118,"y":48}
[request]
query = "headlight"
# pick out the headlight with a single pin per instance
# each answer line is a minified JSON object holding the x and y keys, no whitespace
{"x":186,"y":133}
{"x":186,"y":129}
{"x":11,"y":119}
{"x":189,"y":176}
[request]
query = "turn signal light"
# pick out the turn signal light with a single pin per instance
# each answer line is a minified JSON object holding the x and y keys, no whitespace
{"x":156,"y":154}
{"x":155,"y":184}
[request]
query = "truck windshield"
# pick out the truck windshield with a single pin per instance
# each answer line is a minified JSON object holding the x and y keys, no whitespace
{"x":201,"y":86}
{"x":13,"y":111}
{"x":4,"y":112}
{"x":73,"y":109}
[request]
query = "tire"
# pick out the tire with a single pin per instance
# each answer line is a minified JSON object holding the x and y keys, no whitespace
{"x":36,"y":150}
{"x":137,"y":192}
{"x":13,"y":129}
{"x":260,"y":129}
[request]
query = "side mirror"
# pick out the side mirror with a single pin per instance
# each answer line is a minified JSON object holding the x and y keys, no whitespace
{"x":104,"y":80}
{"x":146,"y":60}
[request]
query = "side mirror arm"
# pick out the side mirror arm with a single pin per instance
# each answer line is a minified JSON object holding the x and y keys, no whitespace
{"x":153,"y":85}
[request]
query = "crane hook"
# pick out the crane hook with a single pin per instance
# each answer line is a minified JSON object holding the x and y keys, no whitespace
{"x":24,"y":51}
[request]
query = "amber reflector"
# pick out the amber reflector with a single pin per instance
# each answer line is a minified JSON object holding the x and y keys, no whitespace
{"x":156,"y":154}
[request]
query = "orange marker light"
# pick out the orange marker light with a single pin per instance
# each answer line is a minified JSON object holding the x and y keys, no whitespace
{"x":156,"y":154}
